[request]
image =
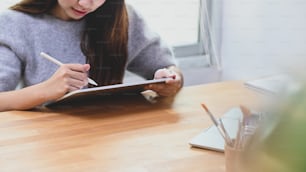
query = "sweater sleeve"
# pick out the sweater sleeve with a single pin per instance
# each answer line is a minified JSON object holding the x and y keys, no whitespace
{"x":10,"y":64}
{"x":146,"y":50}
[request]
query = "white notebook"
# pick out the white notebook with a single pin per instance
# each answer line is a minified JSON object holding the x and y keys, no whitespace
{"x":211,"y":139}
{"x":273,"y":84}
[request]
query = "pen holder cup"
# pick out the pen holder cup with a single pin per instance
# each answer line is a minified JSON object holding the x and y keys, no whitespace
{"x":232,"y":159}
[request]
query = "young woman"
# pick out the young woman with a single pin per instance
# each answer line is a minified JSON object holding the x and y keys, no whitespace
{"x":99,"y":39}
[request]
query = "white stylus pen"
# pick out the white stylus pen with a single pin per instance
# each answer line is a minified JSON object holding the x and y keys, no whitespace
{"x":48,"y":57}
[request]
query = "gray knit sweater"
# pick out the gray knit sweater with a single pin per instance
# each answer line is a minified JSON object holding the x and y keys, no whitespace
{"x":23,"y":37}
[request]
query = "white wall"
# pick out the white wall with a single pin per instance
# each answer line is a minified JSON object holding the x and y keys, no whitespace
{"x":6,"y":3}
{"x":263,"y":35}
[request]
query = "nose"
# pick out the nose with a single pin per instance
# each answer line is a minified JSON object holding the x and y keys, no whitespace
{"x":85,"y":3}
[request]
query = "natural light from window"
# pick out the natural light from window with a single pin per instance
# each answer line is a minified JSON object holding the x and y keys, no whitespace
{"x":176,"y":21}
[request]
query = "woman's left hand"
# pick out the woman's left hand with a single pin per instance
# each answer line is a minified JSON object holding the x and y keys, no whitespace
{"x":172,"y":85}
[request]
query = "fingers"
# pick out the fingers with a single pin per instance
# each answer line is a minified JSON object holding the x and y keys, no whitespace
{"x":67,"y":78}
{"x":71,"y":76}
{"x":78,"y":67}
{"x":172,"y":85}
{"x":164,"y":73}
{"x":76,"y":75}
{"x":164,"y":89}
{"x":170,"y":88}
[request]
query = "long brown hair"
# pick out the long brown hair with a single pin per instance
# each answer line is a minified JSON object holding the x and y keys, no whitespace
{"x":104,"y":40}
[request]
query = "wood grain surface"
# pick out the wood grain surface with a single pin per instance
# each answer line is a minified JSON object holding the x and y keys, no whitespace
{"x":119,"y":134}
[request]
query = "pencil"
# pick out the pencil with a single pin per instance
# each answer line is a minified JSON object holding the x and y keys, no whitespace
{"x":221,"y":130}
{"x":52,"y":59}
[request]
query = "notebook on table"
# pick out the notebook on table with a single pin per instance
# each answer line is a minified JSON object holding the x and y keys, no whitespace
{"x":211,"y":139}
{"x":273,"y":85}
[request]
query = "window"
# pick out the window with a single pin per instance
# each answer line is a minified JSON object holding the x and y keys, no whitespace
{"x":176,"y":21}
{"x":190,"y":26}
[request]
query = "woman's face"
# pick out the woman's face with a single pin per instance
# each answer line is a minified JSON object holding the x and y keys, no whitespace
{"x":75,"y":9}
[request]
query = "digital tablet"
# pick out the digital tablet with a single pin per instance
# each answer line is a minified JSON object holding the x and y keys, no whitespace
{"x":126,"y":88}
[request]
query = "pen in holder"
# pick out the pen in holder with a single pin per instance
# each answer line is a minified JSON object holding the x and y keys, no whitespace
{"x":234,"y":148}
{"x":232,"y":158}
{"x":233,"y":153}
{"x":246,"y":130}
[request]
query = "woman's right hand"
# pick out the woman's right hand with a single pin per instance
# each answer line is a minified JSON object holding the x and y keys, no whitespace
{"x":69,"y":77}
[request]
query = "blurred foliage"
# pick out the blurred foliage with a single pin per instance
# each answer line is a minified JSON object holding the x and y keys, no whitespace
{"x":280,"y":143}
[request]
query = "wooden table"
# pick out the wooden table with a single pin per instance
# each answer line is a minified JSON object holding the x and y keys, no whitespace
{"x":119,"y":135}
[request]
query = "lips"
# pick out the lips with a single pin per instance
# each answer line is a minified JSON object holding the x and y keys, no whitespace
{"x":79,"y":12}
